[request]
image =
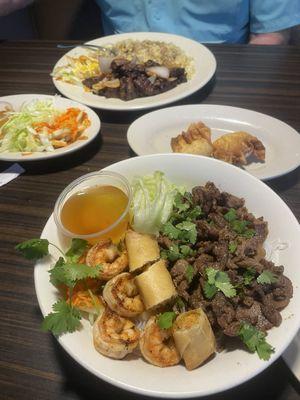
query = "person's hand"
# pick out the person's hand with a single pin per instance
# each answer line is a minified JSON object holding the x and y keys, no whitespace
{"x":9,"y":6}
{"x":281,"y":37}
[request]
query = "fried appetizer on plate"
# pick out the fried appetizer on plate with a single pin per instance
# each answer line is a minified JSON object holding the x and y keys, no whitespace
{"x":197,"y":140}
{"x":236,"y":147}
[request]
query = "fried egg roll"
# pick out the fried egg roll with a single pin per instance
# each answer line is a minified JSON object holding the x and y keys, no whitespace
{"x":142,"y":249}
{"x":155,"y":285}
{"x":194,"y":337}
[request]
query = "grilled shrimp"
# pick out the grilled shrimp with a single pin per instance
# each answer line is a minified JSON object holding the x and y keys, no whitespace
{"x":114,"y":336}
{"x":121,"y":295}
{"x":157,"y":345}
{"x":106,"y":254}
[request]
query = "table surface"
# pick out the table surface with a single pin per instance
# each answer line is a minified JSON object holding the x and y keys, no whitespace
{"x":32,"y":364}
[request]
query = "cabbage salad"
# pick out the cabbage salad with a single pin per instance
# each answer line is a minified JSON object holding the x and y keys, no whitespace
{"x":40,"y":126}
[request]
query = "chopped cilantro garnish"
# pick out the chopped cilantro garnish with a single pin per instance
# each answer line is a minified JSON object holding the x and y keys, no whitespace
{"x":218,"y":281}
{"x":255,"y":340}
{"x":186,"y":251}
{"x":165,"y":320}
{"x":180,"y":204}
{"x":230,"y":215}
{"x":180,"y":304}
{"x":70,"y":273}
{"x":248,"y":276}
{"x":172,"y":254}
{"x":189,"y":273}
{"x":76,"y":250}
{"x":169,"y":230}
{"x":239,"y":226}
{"x":249,"y":233}
{"x":33,"y":249}
{"x":209,"y":290}
{"x":267,"y":277}
{"x":65,"y":318}
{"x":232,"y":247}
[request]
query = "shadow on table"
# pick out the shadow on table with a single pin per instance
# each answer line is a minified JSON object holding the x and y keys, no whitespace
{"x":277,"y":382}
{"x":61,"y":163}
{"x":127,"y":117}
{"x":284,"y":182}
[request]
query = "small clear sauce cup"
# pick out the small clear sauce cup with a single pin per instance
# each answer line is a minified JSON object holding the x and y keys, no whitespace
{"x":116,"y":230}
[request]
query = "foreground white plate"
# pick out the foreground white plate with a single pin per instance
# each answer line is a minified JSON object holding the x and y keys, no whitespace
{"x":18,"y":100}
{"x":205,"y":66}
{"x":227,"y":369}
{"x":152,"y":134}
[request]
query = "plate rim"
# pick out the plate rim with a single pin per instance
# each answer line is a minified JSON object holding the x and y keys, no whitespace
{"x":40,"y":156}
{"x":292,"y":131}
{"x":137,"y":107}
{"x":158,"y":394}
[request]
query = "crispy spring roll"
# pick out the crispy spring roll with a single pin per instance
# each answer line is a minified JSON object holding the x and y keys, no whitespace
{"x":142,"y":249}
{"x":155,"y":285}
{"x":194,"y":337}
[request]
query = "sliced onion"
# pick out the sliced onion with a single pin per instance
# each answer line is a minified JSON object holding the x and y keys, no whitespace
{"x":160,"y":71}
{"x":104,"y":64}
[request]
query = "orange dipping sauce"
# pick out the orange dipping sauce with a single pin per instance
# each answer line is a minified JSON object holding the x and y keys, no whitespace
{"x":95,"y":209}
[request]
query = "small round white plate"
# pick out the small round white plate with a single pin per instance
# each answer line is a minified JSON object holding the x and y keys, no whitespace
{"x":91,"y":132}
{"x":152,"y":134}
{"x":229,"y":368}
{"x":204,"y":61}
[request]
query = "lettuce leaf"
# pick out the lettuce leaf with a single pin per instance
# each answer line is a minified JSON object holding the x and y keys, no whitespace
{"x":153,"y":200}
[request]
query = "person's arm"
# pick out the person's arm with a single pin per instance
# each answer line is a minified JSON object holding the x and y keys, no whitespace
{"x":281,"y":37}
{"x":9,"y":6}
{"x":271,"y":20}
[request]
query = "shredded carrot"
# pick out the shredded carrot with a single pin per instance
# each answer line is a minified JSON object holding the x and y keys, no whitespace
{"x":66,"y":120}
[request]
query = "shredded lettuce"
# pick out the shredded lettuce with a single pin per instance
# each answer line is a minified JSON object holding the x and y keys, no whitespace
{"x":153,"y":199}
{"x":18,"y":134}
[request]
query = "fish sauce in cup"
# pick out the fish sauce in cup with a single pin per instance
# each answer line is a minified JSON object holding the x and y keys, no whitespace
{"x":94,"y":207}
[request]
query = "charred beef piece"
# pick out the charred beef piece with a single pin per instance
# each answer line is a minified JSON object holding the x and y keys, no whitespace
{"x":89,"y":82}
{"x":164,"y":242}
{"x":261,"y":229}
{"x":178,"y":273}
{"x":253,"y":316}
{"x":207,"y":231}
{"x":179,"y":74}
{"x":225,"y":314}
{"x":206,"y":196}
{"x":202,"y":262}
{"x":231,"y":201}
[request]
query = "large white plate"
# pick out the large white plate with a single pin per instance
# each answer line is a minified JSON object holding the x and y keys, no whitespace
{"x":152,"y":134}
{"x":61,"y":103}
{"x":227,"y":369}
{"x":205,"y":66}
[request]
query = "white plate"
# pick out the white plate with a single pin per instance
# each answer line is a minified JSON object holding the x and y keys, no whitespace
{"x":205,"y":66}
{"x":152,"y":134}
{"x":227,"y":369}
{"x":18,"y":100}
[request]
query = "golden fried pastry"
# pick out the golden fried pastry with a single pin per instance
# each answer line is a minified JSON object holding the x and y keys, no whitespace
{"x":197,"y":140}
{"x":235,"y":147}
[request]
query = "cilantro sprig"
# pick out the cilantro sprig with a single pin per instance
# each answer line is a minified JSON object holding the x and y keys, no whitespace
{"x":176,"y":252}
{"x":239,"y":226}
{"x":218,"y":281}
{"x":65,"y":318}
{"x":255,"y":340}
{"x":248,"y":276}
{"x":34,"y":249}
{"x":267,"y":277}
{"x":66,"y":271}
{"x":189,"y":273}
{"x":166,"y":319}
{"x":184,"y":231}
